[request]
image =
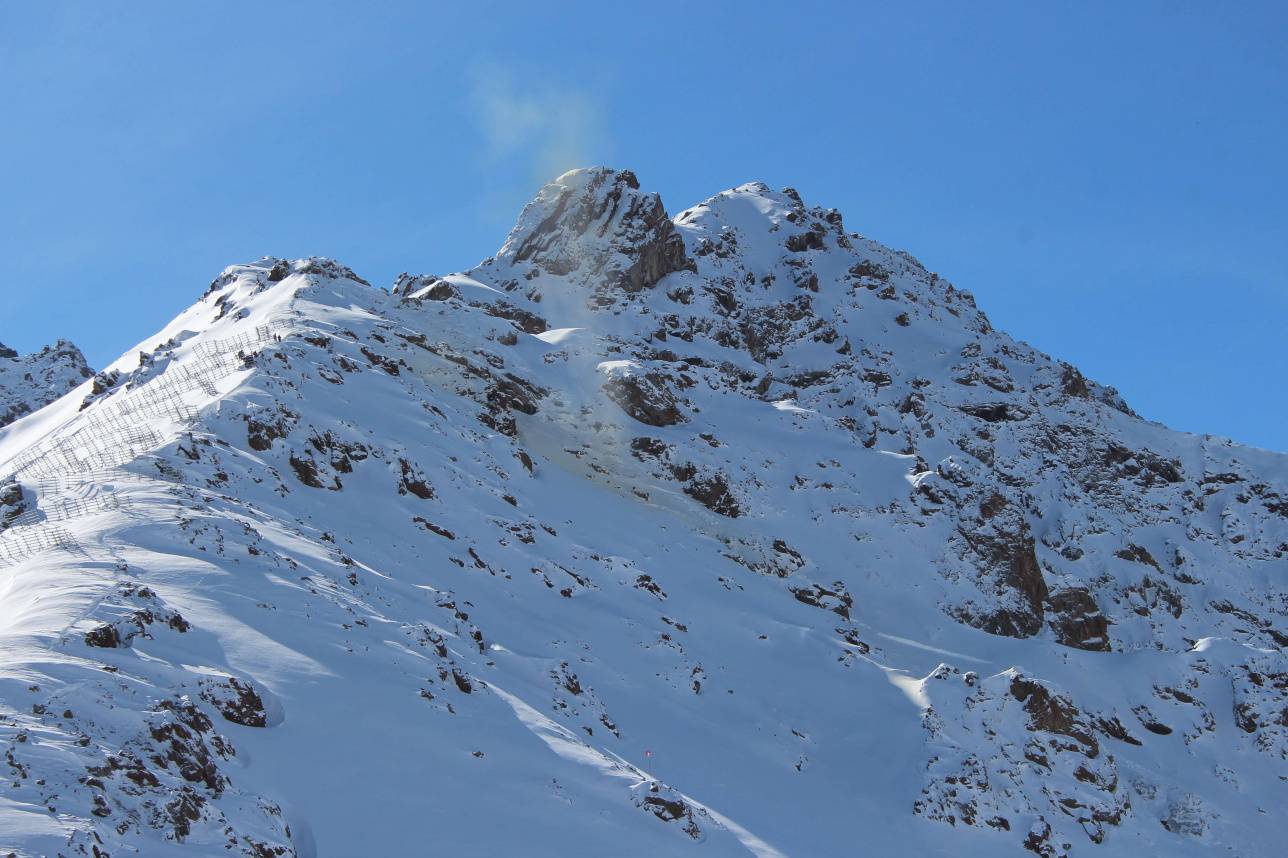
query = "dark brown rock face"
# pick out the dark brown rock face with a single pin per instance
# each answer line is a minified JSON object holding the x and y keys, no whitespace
{"x":713,"y":493}
{"x":598,"y":223}
{"x":1007,"y":556}
{"x":1077,"y":621}
{"x":835,"y":598}
{"x":1054,"y":714}
{"x":441,"y":291}
{"x":237,"y":701}
{"x":12,"y":504}
{"x":141,"y":611}
{"x":647,"y":398}
{"x":1072,"y":383}
{"x":659,"y":257}
{"x":1024,"y":575}
{"x":997,"y":412}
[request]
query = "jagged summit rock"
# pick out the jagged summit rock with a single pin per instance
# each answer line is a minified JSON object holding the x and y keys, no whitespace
{"x":597,"y":227}
{"x":736,"y":531}
{"x":30,"y":382}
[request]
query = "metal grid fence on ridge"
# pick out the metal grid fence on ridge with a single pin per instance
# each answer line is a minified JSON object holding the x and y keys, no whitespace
{"x":108,"y":437}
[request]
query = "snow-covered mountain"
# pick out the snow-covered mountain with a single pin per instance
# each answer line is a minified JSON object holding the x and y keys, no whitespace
{"x":723,"y":534}
{"x":30,"y":382}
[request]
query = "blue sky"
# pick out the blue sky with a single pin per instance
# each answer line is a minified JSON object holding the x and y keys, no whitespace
{"x":1109,"y":179}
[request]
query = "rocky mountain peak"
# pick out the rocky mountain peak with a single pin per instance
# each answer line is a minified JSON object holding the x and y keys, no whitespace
{"x":576,"y":529}
{"x":29,"y":382}
{"x":596,"y":226}
{"x":271,"y":269}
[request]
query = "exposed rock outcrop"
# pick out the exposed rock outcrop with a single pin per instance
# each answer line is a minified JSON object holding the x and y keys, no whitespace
{"x":30,"y":382}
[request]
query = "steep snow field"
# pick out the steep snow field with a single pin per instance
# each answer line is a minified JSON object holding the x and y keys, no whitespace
{"x":729,"y":534}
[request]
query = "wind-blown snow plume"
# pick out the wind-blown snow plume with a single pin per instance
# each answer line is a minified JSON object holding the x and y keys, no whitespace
{"x":552,"y":129}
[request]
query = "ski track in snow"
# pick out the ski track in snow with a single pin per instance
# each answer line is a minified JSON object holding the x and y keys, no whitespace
{"x":564,"y":743}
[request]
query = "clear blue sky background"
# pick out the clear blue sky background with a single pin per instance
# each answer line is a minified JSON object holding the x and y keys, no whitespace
{"x":1110,"y":179}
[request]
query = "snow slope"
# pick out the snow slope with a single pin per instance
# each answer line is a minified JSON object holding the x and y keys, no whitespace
{"x":733,"y":533}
